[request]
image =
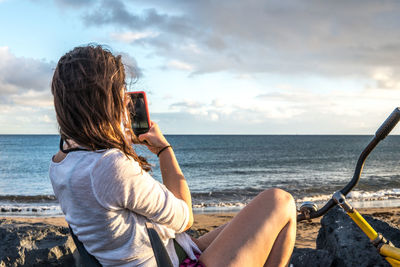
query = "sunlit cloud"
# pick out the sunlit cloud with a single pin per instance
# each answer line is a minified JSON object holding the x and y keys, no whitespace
{"x":46,"y":118}
{"x":386,"y":78}
{"x":179,"y":65}
{"x":27,"y":120}
{"x":130,"y":37}
{"x":294,"y":110}
{"x":217,"y":103}
{"x":33,"y":98}
{"x":187,"y":104}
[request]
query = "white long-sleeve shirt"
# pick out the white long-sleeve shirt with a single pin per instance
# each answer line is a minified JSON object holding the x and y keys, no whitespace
{"x":107,"y":198}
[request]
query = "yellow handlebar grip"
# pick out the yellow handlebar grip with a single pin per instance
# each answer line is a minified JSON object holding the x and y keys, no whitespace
{"x":393,"y":262}
{"x":389,"y":251}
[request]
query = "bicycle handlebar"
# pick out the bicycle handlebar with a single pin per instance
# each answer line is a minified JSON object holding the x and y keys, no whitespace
{"x":388,"y":125}
{"x":383,"y":131}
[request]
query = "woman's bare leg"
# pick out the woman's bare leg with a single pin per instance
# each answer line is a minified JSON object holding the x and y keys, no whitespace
{"x":205,"y":240}
{"x":264,"y":229}
{"x":283,"y":247}
{"x":284,"y":240}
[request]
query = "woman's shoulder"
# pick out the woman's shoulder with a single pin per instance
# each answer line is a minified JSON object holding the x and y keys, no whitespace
{"x":100,"y":162}
{"x":114,"y":169}
{"x":115,"y":154}
{"x":116,"y":159}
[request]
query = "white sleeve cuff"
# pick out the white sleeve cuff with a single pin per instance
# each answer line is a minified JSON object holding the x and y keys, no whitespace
{"x":186,"y":216}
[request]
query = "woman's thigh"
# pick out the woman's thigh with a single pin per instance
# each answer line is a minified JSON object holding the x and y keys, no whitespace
{"x":249,"y":237}
{"x":205,"y":240}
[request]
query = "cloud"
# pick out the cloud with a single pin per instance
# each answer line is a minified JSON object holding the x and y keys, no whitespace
{"x":20,"y":74}
{"x":179,"y":65}
{"x":386,"y":78}
{"x":130,"y":37}
{"x":26,"y":104}
{"x":190,"y":107}
{"x":132,"y":70}
{"x":74,"y":3}
{"x":33,"y":98}
{"x":187,"y":104}
{"x":115,"y":12}
{"x":46,"y":118}
{"x":294,"y":111}
{"x":27,"y":120}
{"x":302,"y":37}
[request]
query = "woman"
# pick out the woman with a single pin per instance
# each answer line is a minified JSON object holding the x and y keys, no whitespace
{"x":107,"y":196}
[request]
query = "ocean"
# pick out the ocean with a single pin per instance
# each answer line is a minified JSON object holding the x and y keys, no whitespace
{"x":224,"y":172}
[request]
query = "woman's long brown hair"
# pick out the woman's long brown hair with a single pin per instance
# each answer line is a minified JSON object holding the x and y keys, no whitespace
{"x":88,"y":87}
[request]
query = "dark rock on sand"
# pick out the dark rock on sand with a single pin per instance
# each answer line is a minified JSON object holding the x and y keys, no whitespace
{"x":340,"y":243}
{"x":36,"y":244}
{"x":196,"y":233}
{"x":311,"y":257}
{"x":348,"y":244}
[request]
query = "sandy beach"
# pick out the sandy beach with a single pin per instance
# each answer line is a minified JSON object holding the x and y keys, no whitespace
{"x":306,"y":231}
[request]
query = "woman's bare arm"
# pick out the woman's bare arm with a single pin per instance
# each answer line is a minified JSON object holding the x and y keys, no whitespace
{"x":174,"y":180}
{"x":171,"y":173}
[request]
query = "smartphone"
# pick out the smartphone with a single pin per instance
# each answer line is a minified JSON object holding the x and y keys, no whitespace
{"x":139,"y":112}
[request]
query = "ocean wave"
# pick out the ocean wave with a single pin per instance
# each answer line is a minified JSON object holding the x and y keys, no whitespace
{"x":26,"y":209}
{"x":28,"y":199}
{"x":46,"y":205}
{"x":384,"y":197}
{"x":357,"y":195}
{"x":243,"y":192}
{"x":219,"y":204}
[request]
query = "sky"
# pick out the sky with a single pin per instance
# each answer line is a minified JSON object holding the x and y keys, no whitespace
{"x":214,"y":67}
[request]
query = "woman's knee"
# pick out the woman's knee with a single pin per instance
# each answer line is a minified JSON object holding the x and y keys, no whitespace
{"x":281,"y":199}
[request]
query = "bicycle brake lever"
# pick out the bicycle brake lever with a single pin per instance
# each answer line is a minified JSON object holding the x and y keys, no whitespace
{"x":307,"y":209}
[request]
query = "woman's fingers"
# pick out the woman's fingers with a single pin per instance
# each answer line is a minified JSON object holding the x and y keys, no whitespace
{"x":154,"y":138}
{"x":142,"y":137}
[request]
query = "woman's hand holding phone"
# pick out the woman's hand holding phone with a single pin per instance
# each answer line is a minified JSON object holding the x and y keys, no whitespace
{"x":146,"y":131}
{"x":153,"y":139}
